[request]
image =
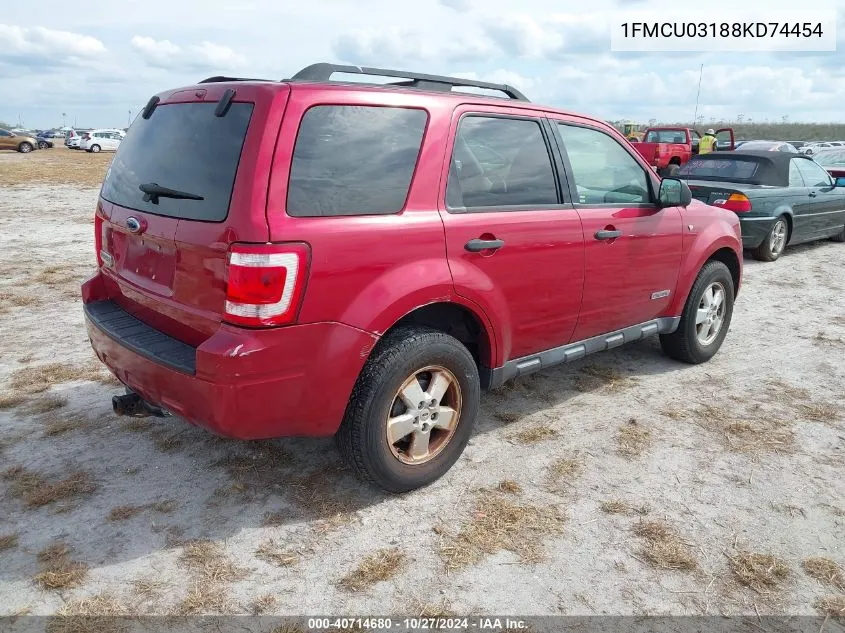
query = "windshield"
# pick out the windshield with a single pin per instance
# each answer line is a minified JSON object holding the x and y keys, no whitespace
{"x":831,"y":158}
{"x":182,"y":147}
{"x":729,"y":169}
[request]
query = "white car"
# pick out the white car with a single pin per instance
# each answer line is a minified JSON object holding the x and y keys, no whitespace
{"x":102,"y":140}
{"x":812,"y":148}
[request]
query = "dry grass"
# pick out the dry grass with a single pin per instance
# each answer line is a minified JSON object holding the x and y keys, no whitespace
{"x":593,"y":377}
{"x":274,"y":554}
{"x":46,"y":404}
{"x":510,"y":487}
{"x":615,"y":506}
{"x":816,"y":412}
{"x":205,"y":597}
{"x":375,"y":568}
{"x":148,"y":588}
{"x":673,"y":413}
{"x":102,"y":613}
{"x":58,"y":275}
{"x":262,"y":604}
{"x":36,"y":490}
{"x":663,"y":548}
{"x":632,"y":439}
{"x":17,"y":300}
{"x":822,"y":339}
{"x":506,"y":416}
{"x":833,"y":606}
{"x":58,"y":165}
{"x":168,"y":442}
{"x":421,"y":609}
{"x":565,"y":470}
{"x":533,"y":434}
{"x":36,"y":379}
{"x":58,"y":571}
{"x":824,"y":570}
{"x":62,"y":425}
{"x":499,"y":524}
{"x":782,"y":391}
{"x":760,"y":572}
{"x":122,"y":513}
{"x":11,"y":399}
{"x":207,"y":559}
{"x":754,"y":431}
{"x":138,"y":425}
{"x":8,"y":541}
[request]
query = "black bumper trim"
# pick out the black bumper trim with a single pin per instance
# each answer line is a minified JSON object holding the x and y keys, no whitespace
{"x":141,"y":338}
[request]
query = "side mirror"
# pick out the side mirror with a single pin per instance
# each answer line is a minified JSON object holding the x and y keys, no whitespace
{"x":839,"y":182}
{"x":673,"y":193}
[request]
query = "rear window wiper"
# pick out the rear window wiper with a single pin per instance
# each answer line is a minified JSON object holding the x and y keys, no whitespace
{"x":153,"y":191}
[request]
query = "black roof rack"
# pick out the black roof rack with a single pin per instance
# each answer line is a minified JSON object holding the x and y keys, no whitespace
{"x":324,"y":72}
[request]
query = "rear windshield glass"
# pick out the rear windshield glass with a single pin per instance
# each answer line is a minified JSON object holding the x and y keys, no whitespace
{"x":354,"y":160}
{"x":182,"y":147}
{"x":666,"y":136}
{"x":722,"y":169}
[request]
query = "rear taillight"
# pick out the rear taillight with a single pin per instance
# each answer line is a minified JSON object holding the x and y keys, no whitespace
{"x":266,"y":283}
{"x":736,"y":202}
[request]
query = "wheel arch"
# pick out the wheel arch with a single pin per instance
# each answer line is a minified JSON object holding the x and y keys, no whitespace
{"x":471,"y":327}
{"x":730,"y":259}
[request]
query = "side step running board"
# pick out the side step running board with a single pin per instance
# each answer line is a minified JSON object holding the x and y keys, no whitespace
{"x":578,"y":350}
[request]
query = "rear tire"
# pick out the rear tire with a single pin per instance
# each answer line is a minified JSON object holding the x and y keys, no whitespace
{"x":42,"y":145}
{"x":25,"y":147}
{"x":774,"y":243}
{"x":94,"y":149}
{"x":839,"y":237}
{"x":396,"y":373}
{"x":706,"y":317}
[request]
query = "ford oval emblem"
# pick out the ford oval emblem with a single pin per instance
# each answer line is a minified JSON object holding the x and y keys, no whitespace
{"x":133,"y":225}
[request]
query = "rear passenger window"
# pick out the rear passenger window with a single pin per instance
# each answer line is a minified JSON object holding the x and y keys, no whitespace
{"x":499,"y":162}
{"x":604,"y":172}
{"x":354,"y":160}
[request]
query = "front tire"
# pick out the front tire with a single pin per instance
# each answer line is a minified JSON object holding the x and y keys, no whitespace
{"x":25,"y":147}
{"x":672,"y":170}
{"x":412,"y":410}
{"x":706,"y":317}
{"x":42,"y":145}
{"x":775,"y":242}
{"x":839,"y":237}
{"x":94,"y":149}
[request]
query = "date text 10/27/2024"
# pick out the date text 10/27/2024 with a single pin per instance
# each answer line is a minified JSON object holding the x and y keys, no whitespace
{"x":418,"y":624}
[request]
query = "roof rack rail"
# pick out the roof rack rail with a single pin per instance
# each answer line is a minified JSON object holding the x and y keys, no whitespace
{"x":324,"y":72}
{"x":221,"y":78}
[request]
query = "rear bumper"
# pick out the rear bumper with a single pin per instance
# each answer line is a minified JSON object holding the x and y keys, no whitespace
{"x":241,"y":383}
{"x":755,"y":230}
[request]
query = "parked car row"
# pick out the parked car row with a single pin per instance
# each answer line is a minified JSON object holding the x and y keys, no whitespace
{"x":97,"y":140}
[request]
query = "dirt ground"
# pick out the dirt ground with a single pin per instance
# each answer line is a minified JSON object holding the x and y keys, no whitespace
{"x":624,"y":484}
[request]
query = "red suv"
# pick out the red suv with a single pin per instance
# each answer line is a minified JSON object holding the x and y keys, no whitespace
{"x":316,"y":257}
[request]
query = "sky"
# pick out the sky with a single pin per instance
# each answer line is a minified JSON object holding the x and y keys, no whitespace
{"x":99,"y":62}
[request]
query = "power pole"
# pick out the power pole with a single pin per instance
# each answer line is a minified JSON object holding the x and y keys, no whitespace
{"x":698,"y":95}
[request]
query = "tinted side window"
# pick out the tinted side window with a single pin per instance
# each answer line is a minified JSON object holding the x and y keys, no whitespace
{"x":354,"y":160}
{"x":604,"y":172}
{"x":4,"y":133}
{"x":795,"y":179}
{"x":498,"y":162}
{"x":813,"y":175}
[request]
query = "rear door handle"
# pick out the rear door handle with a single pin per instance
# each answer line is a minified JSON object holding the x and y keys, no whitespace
{"x":478,"y":245}
{"x":608,"y":235}
{"x":812,"y":194}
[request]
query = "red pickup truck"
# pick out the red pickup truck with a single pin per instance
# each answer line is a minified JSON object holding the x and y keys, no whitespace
{"x":667,"y":148}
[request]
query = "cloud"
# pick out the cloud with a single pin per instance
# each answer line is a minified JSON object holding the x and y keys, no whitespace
{"x":458,"y":5}
{"x":554,"y":38}
{"x":206,"y":55}
{"x":38,"y":47}
{"x":162,"y":54}
{"x":401,"y":46}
